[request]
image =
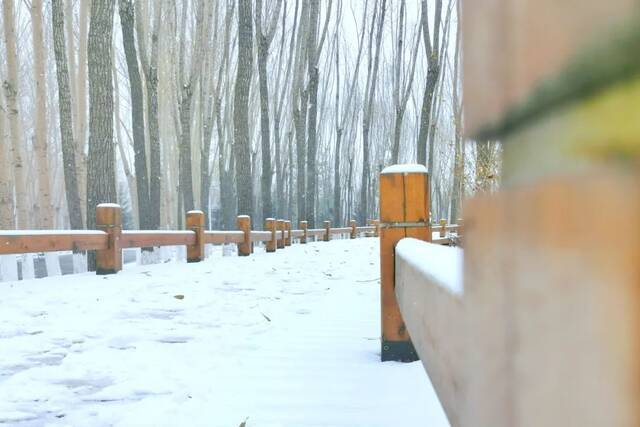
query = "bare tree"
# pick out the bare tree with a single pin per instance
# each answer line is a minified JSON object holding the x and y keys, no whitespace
{"x":242,"y":141}
{"x":7,"y":206}
{"x":149,"y":62}
{"x":342,"y":117}
{"x":137,"y":114}
{"x":264,"y":39}
{"x":433,"y":74}
{"x":402,"y":79}
{"x":10,"y":86}
{"x":43,"y":207}
{"x":66,"y":121}
{"x":81,"y":100}
{"x":101,"y":177}
{"x":459,"y":143}
{"x":377,"y":25}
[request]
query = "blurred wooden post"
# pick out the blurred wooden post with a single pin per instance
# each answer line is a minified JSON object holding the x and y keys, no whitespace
{"x":303,"y":226}
{"x":281,"y":228}
{"x":287,"y":226}
{"x":109,"y":220}
{"x":195,"y":222}
{"x":270,"y":225}
{"x":244,"y":224}
{"x":327,"y":231}
{"x":443,"y":227}
{"x":353,"y":228}
{"x":460,"y":227}
{"x":404,"y":212}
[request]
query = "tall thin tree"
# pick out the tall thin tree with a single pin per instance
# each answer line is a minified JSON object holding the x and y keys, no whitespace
{"x":101,"y":173}
{"x":72,"y":191}
{"x":242,"y":142}
{"x":137,"y":114}
{"x":10,"y":86}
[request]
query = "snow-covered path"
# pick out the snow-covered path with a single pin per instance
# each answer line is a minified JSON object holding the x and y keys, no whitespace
{"x":284,"y":339}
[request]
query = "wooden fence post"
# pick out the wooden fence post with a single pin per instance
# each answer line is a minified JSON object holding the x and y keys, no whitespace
{"x":244,"y":224}
{"x":354,"y":232}
{"x":109,"y":220}
{"x":281,"y":228}
{"x":303,"y":226}
{"x":404,"y":212}
{"x":270,"y":225}
{"x":327,"y":231}
{"x":287,"y":226}
{"x":195,"y":222}
{"x":443,"y":227}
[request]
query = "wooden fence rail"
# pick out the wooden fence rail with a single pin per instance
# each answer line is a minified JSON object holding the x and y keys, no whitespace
{"x":109,"y":240}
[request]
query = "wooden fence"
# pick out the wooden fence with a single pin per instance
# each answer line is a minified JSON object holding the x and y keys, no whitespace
{"x":110,"y":239}
{"x":538,"y":323}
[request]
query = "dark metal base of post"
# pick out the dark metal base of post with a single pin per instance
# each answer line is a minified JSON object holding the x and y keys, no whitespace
{"x":398,"y":351}
{"x":105,"y":271}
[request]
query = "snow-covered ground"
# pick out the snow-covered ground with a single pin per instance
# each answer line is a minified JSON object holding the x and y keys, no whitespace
{"x":284,"y":339}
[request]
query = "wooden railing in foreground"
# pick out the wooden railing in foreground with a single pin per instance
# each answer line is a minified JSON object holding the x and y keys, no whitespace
{"x":541,"y":326}
{"x":110,"y":239}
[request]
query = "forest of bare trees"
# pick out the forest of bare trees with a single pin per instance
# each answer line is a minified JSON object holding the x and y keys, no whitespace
{"x":286,"y":108}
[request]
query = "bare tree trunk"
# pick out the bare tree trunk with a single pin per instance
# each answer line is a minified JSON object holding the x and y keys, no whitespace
{"x":101,"y":178}
{"x":137,"y":114}
{"x":149,"y":63}
{"x":81,"y":101}
{"x":433,"y":74}
{"x":10,"y":86}
{"x":43,"y":206}
{"x":7,"y":206}
{"x":66,"y":126}
{"x":372,"y":77}
{"x":299,"y":105}
{"x":312,"y":144}
{"x":242,"y":141}
{"x":264,"y":39}
{"x":458,"y":167}
{"x":402,"y":82}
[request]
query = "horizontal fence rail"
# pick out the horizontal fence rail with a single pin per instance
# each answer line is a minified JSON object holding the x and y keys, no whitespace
{"x":109,"y":240}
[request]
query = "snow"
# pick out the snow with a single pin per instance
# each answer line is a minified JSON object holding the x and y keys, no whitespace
{"x":408,"y":168}
{"x":283,"y":339}
{"x":108,"y":205}
{"x":444,"y":264}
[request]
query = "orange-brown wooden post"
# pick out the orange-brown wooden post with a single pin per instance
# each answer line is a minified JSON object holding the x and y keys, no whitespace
{"x":354,"y":225}
{"x":327,"y":231}
{"x":287,"y":226}
{"x":195,"y":223}
{"x":376,"y":225}
{"x":404,"y":212}
{"x":270,"y":225}
{"x":443,"y":227}
{"x":109,"y":220}
{"x":244,"y":224}
{"x":303,"y":226}
{"x":281,"y":229}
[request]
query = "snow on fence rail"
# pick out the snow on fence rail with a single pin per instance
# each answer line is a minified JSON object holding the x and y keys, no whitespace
{"x":109,"y":240}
